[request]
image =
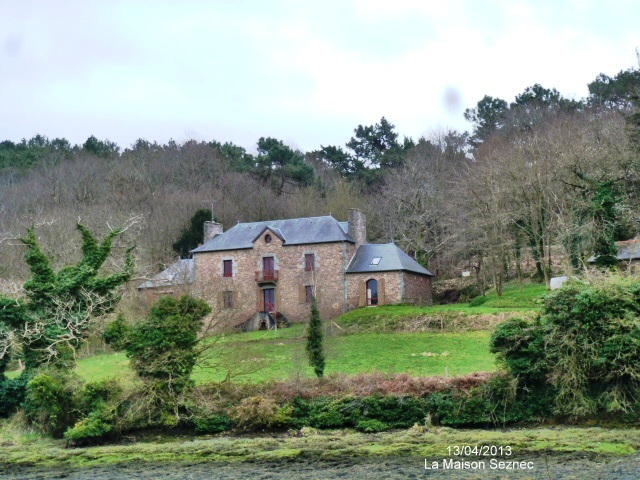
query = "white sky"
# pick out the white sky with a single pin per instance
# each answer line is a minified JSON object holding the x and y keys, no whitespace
{"x":306,"y":72}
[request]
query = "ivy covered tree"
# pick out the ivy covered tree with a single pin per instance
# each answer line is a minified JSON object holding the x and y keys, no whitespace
{"x":163,"y":350}
{"x":56,"y":315}
{"x":193,"y":235}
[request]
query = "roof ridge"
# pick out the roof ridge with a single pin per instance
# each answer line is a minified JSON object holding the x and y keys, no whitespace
{"x":284,"y":220}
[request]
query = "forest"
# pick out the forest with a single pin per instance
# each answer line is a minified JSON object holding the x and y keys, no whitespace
{"x":541,"y":177}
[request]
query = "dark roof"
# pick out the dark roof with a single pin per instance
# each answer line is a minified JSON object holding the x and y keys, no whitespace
{"x":391,"y":259}
{"x":294,"y":231}
{"x":179,"y":273}
{"x":627,"y":250}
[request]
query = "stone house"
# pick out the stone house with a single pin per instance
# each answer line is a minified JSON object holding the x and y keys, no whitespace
{"x":262,"y":272}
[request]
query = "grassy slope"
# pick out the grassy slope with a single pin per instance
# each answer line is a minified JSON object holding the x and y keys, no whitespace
{"x":281,"y":354}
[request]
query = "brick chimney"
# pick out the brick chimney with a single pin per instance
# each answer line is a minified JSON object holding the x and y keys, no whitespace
{"x":358,"y":226}
{"x":211,"y":229}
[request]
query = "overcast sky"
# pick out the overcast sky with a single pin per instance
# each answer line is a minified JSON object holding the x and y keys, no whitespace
{"x":306,"y":72}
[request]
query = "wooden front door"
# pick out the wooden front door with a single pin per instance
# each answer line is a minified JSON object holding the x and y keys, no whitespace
{"x":269,"y":299}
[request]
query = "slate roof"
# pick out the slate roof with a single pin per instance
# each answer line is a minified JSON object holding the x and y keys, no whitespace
{"x":392,"y":258}
{"x":627,"y":250}
{"x":295,"y":231}
{"x":179,"y":273}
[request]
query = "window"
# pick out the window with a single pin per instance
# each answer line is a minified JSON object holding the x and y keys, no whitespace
{"x":267,"y":239}
{"x":376,"y":260}
{"x":309,"y":262}
{"x":227,"y":268}
{"x":308,"y":292}
{"x":227,"y":299}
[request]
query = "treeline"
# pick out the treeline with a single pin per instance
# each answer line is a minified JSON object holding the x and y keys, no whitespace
{"x":536,"y":176}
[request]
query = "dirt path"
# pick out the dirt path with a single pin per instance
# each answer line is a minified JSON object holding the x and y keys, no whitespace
{"x":575,"y":466}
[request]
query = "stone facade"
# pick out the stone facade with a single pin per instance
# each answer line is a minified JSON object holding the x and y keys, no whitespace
{"x":278,"y":266}
{"x":417,"y":289}
{"x":289,"y":281}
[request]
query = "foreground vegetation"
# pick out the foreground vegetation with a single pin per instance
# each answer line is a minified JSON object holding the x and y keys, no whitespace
{"x":313,"y":445}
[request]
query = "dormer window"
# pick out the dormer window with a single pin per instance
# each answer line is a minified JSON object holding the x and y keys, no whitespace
{"x":267,"y":239}
{"x":376,"y":260}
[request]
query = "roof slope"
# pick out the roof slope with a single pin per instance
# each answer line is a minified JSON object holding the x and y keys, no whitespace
{"x":392,"y":258}
{"x":627,"y":250}
{"x":179,"y":273}
{"x":295,"y":231}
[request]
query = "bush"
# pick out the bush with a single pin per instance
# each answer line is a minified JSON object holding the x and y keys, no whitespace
{"x":520,"y":346}
{"x":49,"y":403}
{"x":12,"y":393}
{"x":396,"y":412}
{"x":98,"y":425}
{"x":213,"y":422}
{"x":98,"y":404}
{"x":584,"y":344}
{"x":371,"y":426}
{"x":259,"y":413}
{"x":502,"y":401}
{"x":349,"y":412}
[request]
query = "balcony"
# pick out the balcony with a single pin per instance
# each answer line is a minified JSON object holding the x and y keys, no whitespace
{"x":263,"y":276}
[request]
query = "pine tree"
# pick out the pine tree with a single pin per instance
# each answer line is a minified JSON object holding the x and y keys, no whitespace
{"x":315,"y":349}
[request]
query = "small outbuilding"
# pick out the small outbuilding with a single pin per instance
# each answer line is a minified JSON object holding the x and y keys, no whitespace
{"x":382,"y":274}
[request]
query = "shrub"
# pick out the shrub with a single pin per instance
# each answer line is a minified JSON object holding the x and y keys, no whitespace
{"x":12,"y":393}
{"x":213,"y":422}
{"x":501,"y":401}
{"x":396,"y":412}
{"x":258,"y":413}
{"x":520,"y":346}
{"x":98,"y":425}
{"x":371,"y":426}
{"x":49,"y":402}
{"x":584,"y":344}
{"x":98,"y":404}
{"x":349,"y":412}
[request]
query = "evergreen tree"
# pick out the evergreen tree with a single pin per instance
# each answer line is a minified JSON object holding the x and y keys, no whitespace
{"x":193,"y":235}
{"x":315,"y":349}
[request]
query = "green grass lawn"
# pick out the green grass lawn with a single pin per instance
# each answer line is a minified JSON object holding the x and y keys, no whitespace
{"x":514,"y":298}
{"x":282,"y":355}
{"x":276,"y":355}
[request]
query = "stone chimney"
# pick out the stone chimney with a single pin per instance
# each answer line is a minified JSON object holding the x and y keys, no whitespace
{"x":358,"y":226}
{"x":211,"y":229}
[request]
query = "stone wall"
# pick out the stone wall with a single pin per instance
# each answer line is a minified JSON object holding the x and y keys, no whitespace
{"x":399,"y":287}
{"x":330,"y":261}
{"x":390,"y":288}
{"x":417,"y":289}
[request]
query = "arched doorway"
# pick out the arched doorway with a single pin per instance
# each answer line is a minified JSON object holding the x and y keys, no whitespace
{"x":372,"y":292}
